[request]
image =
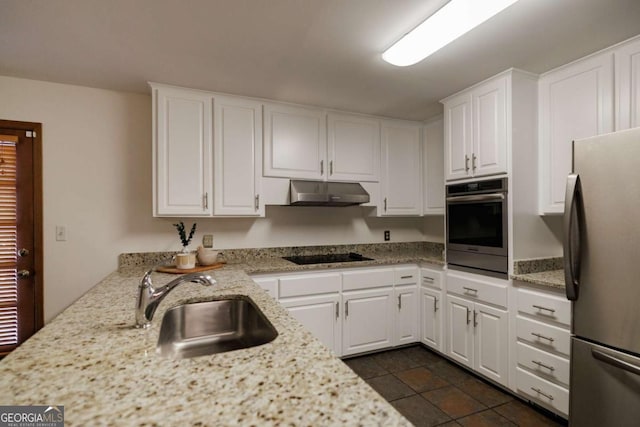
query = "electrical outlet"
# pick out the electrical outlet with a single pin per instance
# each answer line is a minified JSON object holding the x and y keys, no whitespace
{"x":61,"y":233}
{"x":387,"y":235}
{"x":207,"y":240}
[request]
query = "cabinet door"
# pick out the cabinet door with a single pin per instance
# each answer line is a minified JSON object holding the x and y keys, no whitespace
{"x":401,"y":175}
{"x":491,"y":340}
{"x":628,"y":85}
{"x":431,"y":316}
{"x":320,"y":315}
{"x":457,"y":137}
{"x":575,"y":102}
{"x":433,"y":168}
{"x":295,"y":142}
{"x":237,"y":157}
{"x":368,"y":320}
{"x":460,"y":330}
{"x":489,"y":156}
{"x":407,"y":330}
{"x":354,"y":147}
{"x":182,"y":152}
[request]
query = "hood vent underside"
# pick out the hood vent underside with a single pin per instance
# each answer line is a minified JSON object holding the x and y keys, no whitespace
{"x":320,"y":193}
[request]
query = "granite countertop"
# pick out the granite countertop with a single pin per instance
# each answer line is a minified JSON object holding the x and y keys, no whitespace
{"x":540,"y":271}
{"x":105,"y":372}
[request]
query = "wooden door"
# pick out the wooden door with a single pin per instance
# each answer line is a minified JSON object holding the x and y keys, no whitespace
{"x":21,"y":313}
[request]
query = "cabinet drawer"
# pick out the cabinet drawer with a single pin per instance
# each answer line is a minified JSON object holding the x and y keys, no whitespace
{"x":543,"y":392}
{"x":309,"y":284}
{"x":369,"y":278}
{"x":543,"y":336}
{"x":479,"y":289}
{"x":544,"y":306}
{"x":406,"y":275}
{"x":546,"y":365}
{"x":431,"y":278}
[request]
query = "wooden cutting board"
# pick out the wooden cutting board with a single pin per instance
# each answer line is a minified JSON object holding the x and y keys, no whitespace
{"x":172,"y":269}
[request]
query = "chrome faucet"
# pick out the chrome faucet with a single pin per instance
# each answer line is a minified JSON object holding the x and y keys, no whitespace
{"x":149,"y":298}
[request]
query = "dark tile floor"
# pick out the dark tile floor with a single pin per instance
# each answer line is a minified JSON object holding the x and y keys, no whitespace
{"x":431,"y":391}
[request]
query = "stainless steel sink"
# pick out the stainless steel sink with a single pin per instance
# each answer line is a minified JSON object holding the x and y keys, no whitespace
{"x":203,"y":328}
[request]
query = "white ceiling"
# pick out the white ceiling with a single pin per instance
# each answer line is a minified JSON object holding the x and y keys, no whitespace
{"x":318,"y":52}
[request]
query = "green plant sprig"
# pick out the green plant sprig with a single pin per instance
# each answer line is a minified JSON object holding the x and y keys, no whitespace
{"x":183,"y":236}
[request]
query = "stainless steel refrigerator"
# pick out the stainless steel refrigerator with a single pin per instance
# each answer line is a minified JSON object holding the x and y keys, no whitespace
{"x":602,"y":275}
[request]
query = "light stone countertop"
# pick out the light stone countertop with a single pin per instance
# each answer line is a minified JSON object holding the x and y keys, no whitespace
{"x":551,"y":279}
{"x":91,"y":360}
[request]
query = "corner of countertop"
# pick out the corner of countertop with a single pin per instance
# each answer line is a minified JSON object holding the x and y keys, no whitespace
{"x":547,"y":272}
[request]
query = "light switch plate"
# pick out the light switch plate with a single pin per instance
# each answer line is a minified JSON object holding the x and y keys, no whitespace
{"x":207,"y":240}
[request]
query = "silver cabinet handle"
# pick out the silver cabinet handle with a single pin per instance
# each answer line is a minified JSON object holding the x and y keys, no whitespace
{"x":475,"y":291}
{"x":406,"y":277}
{"x":468,"y":318}
{"x":542,"y":365}
{"x":428,"y":279}
{"x":435,"y":305}
{"x":23,"y":274}
{"x":331,"y":167}
{"x":466,"y":163}
{"x":537,"y":390}
{"x":475,"y":318}
{"x":385,"y":204}
{"x":539,"y":307}
{"x":321,"y":167}
{"x":206,"y":200}
{"x":337,"y":309}
{"x":571,"y":238}
{"x":479,"y":198}
{"x":614,"y":361}
{"x":535,"y":334}
{"x":473,"y":161}
{"x":257,"y":201}
{"x":399,"y":302}
{"x":346,"y":309}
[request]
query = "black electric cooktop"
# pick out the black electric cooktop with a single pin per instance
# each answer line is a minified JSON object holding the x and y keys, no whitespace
{"x":326,"y":258}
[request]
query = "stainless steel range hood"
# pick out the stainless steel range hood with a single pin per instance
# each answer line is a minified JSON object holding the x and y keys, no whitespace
{"x":319,"y":193}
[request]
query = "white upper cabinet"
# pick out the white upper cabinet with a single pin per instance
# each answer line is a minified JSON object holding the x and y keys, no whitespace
{"x":354,"y":147}
{"x":401,"y":189}
{"x":575,"y":101}
{"x":295,"y":142}
{"x":182,"y":143}
{"x":237,"y":157}
{"x":627,"y":65}
{"x":476,"y":130}
{"x":433,"y":168}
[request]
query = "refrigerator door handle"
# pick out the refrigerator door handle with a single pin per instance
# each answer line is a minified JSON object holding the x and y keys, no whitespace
{"x":571,"y":240}
{"x":614,"y":361}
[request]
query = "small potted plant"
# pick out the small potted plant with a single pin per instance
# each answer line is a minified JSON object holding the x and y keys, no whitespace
{"x":185,"y":260}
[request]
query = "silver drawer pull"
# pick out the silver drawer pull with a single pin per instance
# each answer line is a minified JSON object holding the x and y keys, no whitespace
{"x":428,"y":279}
{"x":539,"y":307}
{"x":542,"y":337}
{"x":435,"y":305}
{"x":475,"y":291}
{"x":406,"y":277}
{"x":537,"y":390}
{"x":542,"y":365}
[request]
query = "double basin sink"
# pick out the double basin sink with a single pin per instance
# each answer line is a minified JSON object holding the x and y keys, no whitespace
{"x":204,"y":328}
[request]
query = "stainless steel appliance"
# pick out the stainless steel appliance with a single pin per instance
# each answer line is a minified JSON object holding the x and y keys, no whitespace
{"x":320,"y":193}
{"x":477,"y":227}
{"x":602,"y":275}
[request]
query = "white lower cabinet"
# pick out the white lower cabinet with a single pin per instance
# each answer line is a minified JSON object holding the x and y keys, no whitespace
{"x":407,"y":330}
{"x":542,"y":347}
{"x":478,"y":337}
{"x":368,"y":320}
{"x":320,"y":314}
{"x":431,"y":308}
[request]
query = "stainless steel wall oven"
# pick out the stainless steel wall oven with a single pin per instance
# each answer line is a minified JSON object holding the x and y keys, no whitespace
{"x":477,"y":227}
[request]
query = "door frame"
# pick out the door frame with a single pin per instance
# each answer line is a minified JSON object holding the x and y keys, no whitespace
{"x":38,"y":261}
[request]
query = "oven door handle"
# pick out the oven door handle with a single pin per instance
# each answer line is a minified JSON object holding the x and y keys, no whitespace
{"x":477,"y":198}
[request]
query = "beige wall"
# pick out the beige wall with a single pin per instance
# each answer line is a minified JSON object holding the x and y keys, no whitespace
{"x":97,"y":183}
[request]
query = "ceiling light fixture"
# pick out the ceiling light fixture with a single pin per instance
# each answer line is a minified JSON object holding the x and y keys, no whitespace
{"x":450,"y":22}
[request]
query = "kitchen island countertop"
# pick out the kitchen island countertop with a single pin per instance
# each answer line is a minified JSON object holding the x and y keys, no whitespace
{"x":105,"y":372}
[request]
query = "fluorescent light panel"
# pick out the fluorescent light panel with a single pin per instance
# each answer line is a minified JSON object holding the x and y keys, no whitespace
{"x":450,"y":22}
